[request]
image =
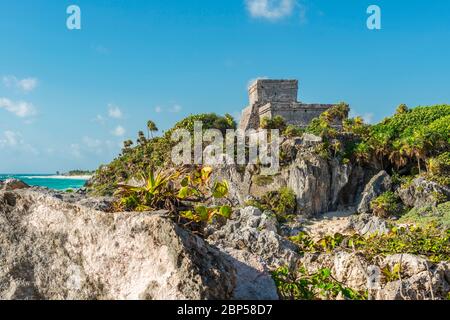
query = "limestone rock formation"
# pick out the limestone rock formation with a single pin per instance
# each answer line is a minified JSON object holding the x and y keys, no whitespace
{"x":422,"y":192}
{"x":320,"y":185}
{"x":55,"y":250}
{"x":256,"y":232}
{"x":377,"y":185}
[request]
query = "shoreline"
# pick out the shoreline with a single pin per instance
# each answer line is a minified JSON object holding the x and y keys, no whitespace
{"x":56,"y":177}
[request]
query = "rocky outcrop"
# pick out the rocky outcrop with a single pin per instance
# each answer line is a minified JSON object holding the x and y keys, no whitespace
{"x":429,"y":284}
{"x":421,"y":192}
{"x":377,"y":185}
{"x":256,"y":232}
{"x":80,"y":198}
{"x":320,"y":185}
{"x":420,"y":280}
{"x":12,"y":184}
{"x":55,"y":250}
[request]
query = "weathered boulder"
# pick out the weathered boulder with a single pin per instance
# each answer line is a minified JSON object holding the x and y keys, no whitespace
{"x":421,"y":192}
{"x":253,"y":231}
{"x":377,"y":185}
{"x":253,"y":278}
{"x":13,"y":184}
{"x":55,"y":250}
{"x":367,"y":224}
{"x":409,"y":263}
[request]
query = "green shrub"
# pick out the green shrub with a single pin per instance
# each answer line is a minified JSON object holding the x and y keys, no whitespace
{"x":430,"y":242}
{"x":438,"y":216}
{"x":276,"y":122}
{"x":262,"y":181}
{"x":301,"y":285}
{"x":386,"y":205}
{"x":292,"y":131}
{"x":282,"y":203}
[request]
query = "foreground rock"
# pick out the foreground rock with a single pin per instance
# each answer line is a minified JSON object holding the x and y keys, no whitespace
{"x":80,"y":198}
{"x":13,"y":184}
{"x":54,"y":250}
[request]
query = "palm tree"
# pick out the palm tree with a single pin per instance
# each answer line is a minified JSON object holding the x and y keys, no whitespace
{"x":398,"y":155}
{"x":151,"y":127}
{"x":403,"y":108}
{"x":415,"y":147}
{"x":141,"y":138}
{"x":126,"y":145}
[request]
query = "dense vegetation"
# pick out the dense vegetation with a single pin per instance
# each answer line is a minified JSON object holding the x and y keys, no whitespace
{"x":413,"y":141}
{"x":321,"y":285}
{"x":430,"y":242}
{"x":150,"y":154}
{"x":185,"y":195}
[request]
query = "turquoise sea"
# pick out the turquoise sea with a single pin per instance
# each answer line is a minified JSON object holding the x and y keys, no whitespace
{"x":47,"y":180}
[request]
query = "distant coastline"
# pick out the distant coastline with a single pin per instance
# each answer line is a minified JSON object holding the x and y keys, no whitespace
{"x":52,"y":181}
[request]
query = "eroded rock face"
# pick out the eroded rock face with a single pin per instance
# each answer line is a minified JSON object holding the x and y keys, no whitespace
{"x":421,"y":193}
{"x":55,"y":250}
{"x":320,"y":185}
{"x":377,"y":185}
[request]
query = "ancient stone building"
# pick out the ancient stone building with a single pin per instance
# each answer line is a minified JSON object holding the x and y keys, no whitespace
{"x":269,"y":98}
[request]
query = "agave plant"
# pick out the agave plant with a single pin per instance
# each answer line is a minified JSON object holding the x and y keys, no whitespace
{"x":185,"y":194}
{"x":158,"y":192}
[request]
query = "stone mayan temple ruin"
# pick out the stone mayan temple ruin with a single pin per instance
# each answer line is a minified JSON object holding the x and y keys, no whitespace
{"x":269,"y":98}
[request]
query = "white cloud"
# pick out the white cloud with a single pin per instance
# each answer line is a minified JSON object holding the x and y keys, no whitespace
{"x":75,"y":150}
{"x":367,"y":117}
{"x":99,"y":119}
{"x":100,"y":49}
{"x":119,"y":131}
{"x":270,"y":9}
{"x":26,"y":85}
{"x":92,"y":143}
{"x":114,"y":112}
{"x":14,"y":141}
{"x":175,"y":108}
{"x":21,"y":109}
{"x":9,"y":139}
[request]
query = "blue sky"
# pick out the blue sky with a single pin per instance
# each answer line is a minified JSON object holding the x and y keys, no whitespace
{"x":68,"y":98}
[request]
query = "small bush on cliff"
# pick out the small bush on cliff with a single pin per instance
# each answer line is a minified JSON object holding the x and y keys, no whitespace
{"x":439,"y":169}
{"x":292,"y":131}
{"x":438,"y":216}
{"x":320,"y":285}
{"x":276,"y":122}
{"x":388,"y":204}
{"x":282,"y":202}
